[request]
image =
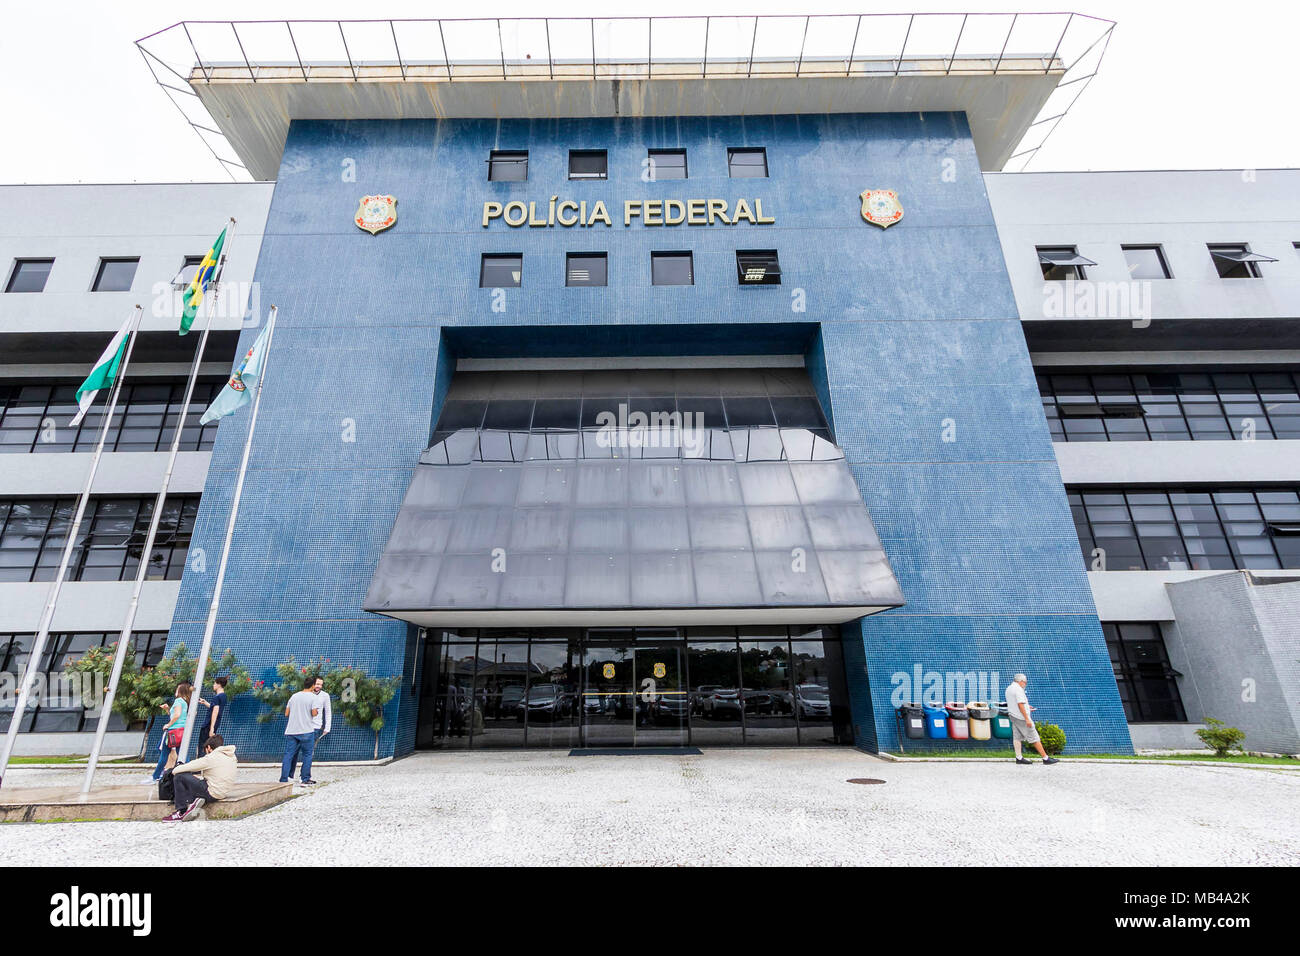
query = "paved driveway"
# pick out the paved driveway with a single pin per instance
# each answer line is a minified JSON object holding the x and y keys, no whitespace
{"x":757,"y":807}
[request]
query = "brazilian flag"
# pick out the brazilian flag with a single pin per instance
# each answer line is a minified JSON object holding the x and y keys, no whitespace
{"x":202,"y":279}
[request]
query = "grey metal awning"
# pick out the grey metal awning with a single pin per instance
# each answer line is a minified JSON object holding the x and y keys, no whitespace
{"x":1229,"y":255}
{"x":581,"y":540}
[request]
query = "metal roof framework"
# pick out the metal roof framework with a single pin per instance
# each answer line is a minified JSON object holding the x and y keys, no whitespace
{"x":656,"y":48}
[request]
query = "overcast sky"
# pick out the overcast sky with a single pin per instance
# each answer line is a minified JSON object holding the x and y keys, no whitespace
{"x":1184,"y":85}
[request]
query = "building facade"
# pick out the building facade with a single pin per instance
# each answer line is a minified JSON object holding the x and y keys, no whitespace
{"x":634,"y":429}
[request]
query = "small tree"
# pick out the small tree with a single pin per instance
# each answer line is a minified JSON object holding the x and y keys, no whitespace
{"x":292,"y":676}
{"x":1052,"y":736}
{"x":361,"y":697}
{"x":1221,"y":738}
{"x":143,"y":691}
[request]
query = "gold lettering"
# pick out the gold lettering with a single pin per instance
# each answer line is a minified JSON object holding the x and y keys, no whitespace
{"x":742,"y":212}
{"x":631,"y":207}
{"x":559,"y":213}
{"x":532,"y":215}
{"x":582,"y":214}
{"x":517,"y":207}
{"x":669,"y":206}
{"x":762,"y":220}
{"x":490,"y":211}
{"x":654,"y":212}
{"x":599,"y":211}
{"x":550,"y":212}
{"x":718,"y":207}
{"x":695,"y":212}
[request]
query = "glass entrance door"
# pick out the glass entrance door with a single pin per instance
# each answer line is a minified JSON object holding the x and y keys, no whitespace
{"x":634,"y":696}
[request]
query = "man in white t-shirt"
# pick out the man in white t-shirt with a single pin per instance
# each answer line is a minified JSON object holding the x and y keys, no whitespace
{"x":1022,"y":723}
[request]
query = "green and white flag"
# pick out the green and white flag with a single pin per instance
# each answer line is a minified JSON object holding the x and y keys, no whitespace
{"x":105,"y":372}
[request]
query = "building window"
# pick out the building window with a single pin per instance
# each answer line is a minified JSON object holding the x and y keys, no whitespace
{"x":1062,"y":262}
{"x":145,"y":420}
{"x":115,"y":275}
{"x":747,"y":163}
{"x":1178,"y":530}
{"x":758,"y":267}
{"x":29,"y":275}
{"x":508,"y":166}
{"x":1146,"y":262}
{"x":585,"y":268}
{"x":501,"y":271}
{"x":1237,"y":261}
{"x":672,"y":268}
{"x":588,"y":164}
{"x":189,"y":268}
{"x":1147,"y":684}
{"x":1241,"y":405}
{"x":667,"y":164}
{"x":33,"y":532}
{"x":53,"y":714}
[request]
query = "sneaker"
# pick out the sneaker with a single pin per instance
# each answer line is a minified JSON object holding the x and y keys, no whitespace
{"x":149,"y":780}
{"x":309,"y":783}
{"x":1047,"y":760}
{"x":175,"y":817}
{"x":1023,"y":760}
{"x":193,"y":808}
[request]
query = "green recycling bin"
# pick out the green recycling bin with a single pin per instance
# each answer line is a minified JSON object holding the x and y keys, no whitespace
{"x":1001,"y":722}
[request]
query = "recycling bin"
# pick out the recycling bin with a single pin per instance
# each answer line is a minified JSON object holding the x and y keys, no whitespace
{"x":1001,"y":722}
{"x":958,"y":721}
{"x":936,"y":721}
{"x":913,"y":717}
{"x":980,"y":719}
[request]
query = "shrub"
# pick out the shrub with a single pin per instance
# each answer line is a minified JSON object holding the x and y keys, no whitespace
{"x":356,"y":696}
{"x":1221,"y":738}
{"x":1053,"y":737}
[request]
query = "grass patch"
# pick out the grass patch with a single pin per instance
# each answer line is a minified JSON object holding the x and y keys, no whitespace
{"x":1208,"y":756}
{"x":67,"y":758}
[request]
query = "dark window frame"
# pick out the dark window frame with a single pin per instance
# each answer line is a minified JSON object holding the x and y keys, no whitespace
{"x":1058,"y":272}
{"x":653,"y":154}
{"x":511,"y":158}
{"x":104,"y":262}
{"x":1137,"y":675}
{"x":602,"y":257}
{"x":602,"y":154}
{"x":1227,"y":268}
{"x":1155,"y":247}
{"x":499,"y":257}
{"x":750,"y":261}
{"x":16,"y":271}
{"x":663,"y":255}
{"x":736,"y":152}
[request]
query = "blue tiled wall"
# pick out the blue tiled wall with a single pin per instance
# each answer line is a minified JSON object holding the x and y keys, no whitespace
{"x":910,"y":327}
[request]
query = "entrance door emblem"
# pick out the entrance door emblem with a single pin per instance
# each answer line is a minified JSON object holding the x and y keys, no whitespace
{"x":376,"y":213}
{"x":608,"y":671}
{"x":661,"y":671}
{"x":881,"y":207}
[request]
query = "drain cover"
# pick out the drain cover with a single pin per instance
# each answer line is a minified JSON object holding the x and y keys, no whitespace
{"x":864,"y":780}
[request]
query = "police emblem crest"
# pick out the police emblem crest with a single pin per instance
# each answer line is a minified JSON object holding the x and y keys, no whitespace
{"x":376,"y":213}
{"x":660,"y":670}
{"x":881,"y":207}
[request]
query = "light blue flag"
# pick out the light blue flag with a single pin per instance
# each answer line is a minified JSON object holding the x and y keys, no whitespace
{"x":239,"y":390}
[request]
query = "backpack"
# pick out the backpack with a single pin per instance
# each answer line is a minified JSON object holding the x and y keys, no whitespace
{"x":166,"y":786}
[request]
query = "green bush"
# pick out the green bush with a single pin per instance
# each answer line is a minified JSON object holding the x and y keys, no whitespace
{"x":356,"y":696}
{"x":1221,"y":738}
{"x":1053,"y":737}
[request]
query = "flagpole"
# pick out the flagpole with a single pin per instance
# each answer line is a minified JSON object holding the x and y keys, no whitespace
{"x":230,"y":533}
{"x":128,"y":625}
{"x":47,"y":616}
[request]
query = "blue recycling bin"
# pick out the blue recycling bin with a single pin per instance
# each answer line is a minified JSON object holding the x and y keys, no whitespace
{"x":936,"y":721}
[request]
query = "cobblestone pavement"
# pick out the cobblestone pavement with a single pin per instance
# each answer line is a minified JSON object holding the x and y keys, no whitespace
{"x":755,"y":807}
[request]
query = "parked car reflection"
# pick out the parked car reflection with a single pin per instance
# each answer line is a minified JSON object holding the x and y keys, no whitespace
{"x":813,"y":701}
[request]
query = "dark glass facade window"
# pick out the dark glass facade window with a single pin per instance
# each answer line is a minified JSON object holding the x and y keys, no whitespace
{"x":33,"y":532}
{"x":64,"y":711}
{"x":1148,"y":685}
{"x":1237,"y":404}
{"x":672,"y":268}
{"x":115,"y":275}
{"x":508,"y":166}
{"x":29,"y":275}
{"x":501,"y":271}
{"x":588,"y":164}
{"x":758,"y":267}
{"x":586,"y":268}
{"x":747,"y":163}
{"x":34,"y":418}
{"x":1146,"y":262}
{"x":1177,"y":530}
{"x":667,"y":164}
{"x":1235,"y":261}
{"x":624,"y":686}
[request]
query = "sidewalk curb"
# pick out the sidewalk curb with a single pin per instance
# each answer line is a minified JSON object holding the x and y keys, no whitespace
{"x":1093,"y":760}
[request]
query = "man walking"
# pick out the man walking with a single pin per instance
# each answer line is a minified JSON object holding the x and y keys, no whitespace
{"x":299,"y":732}
{"x":1022,"y":724}
{"x":321,"y":722}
